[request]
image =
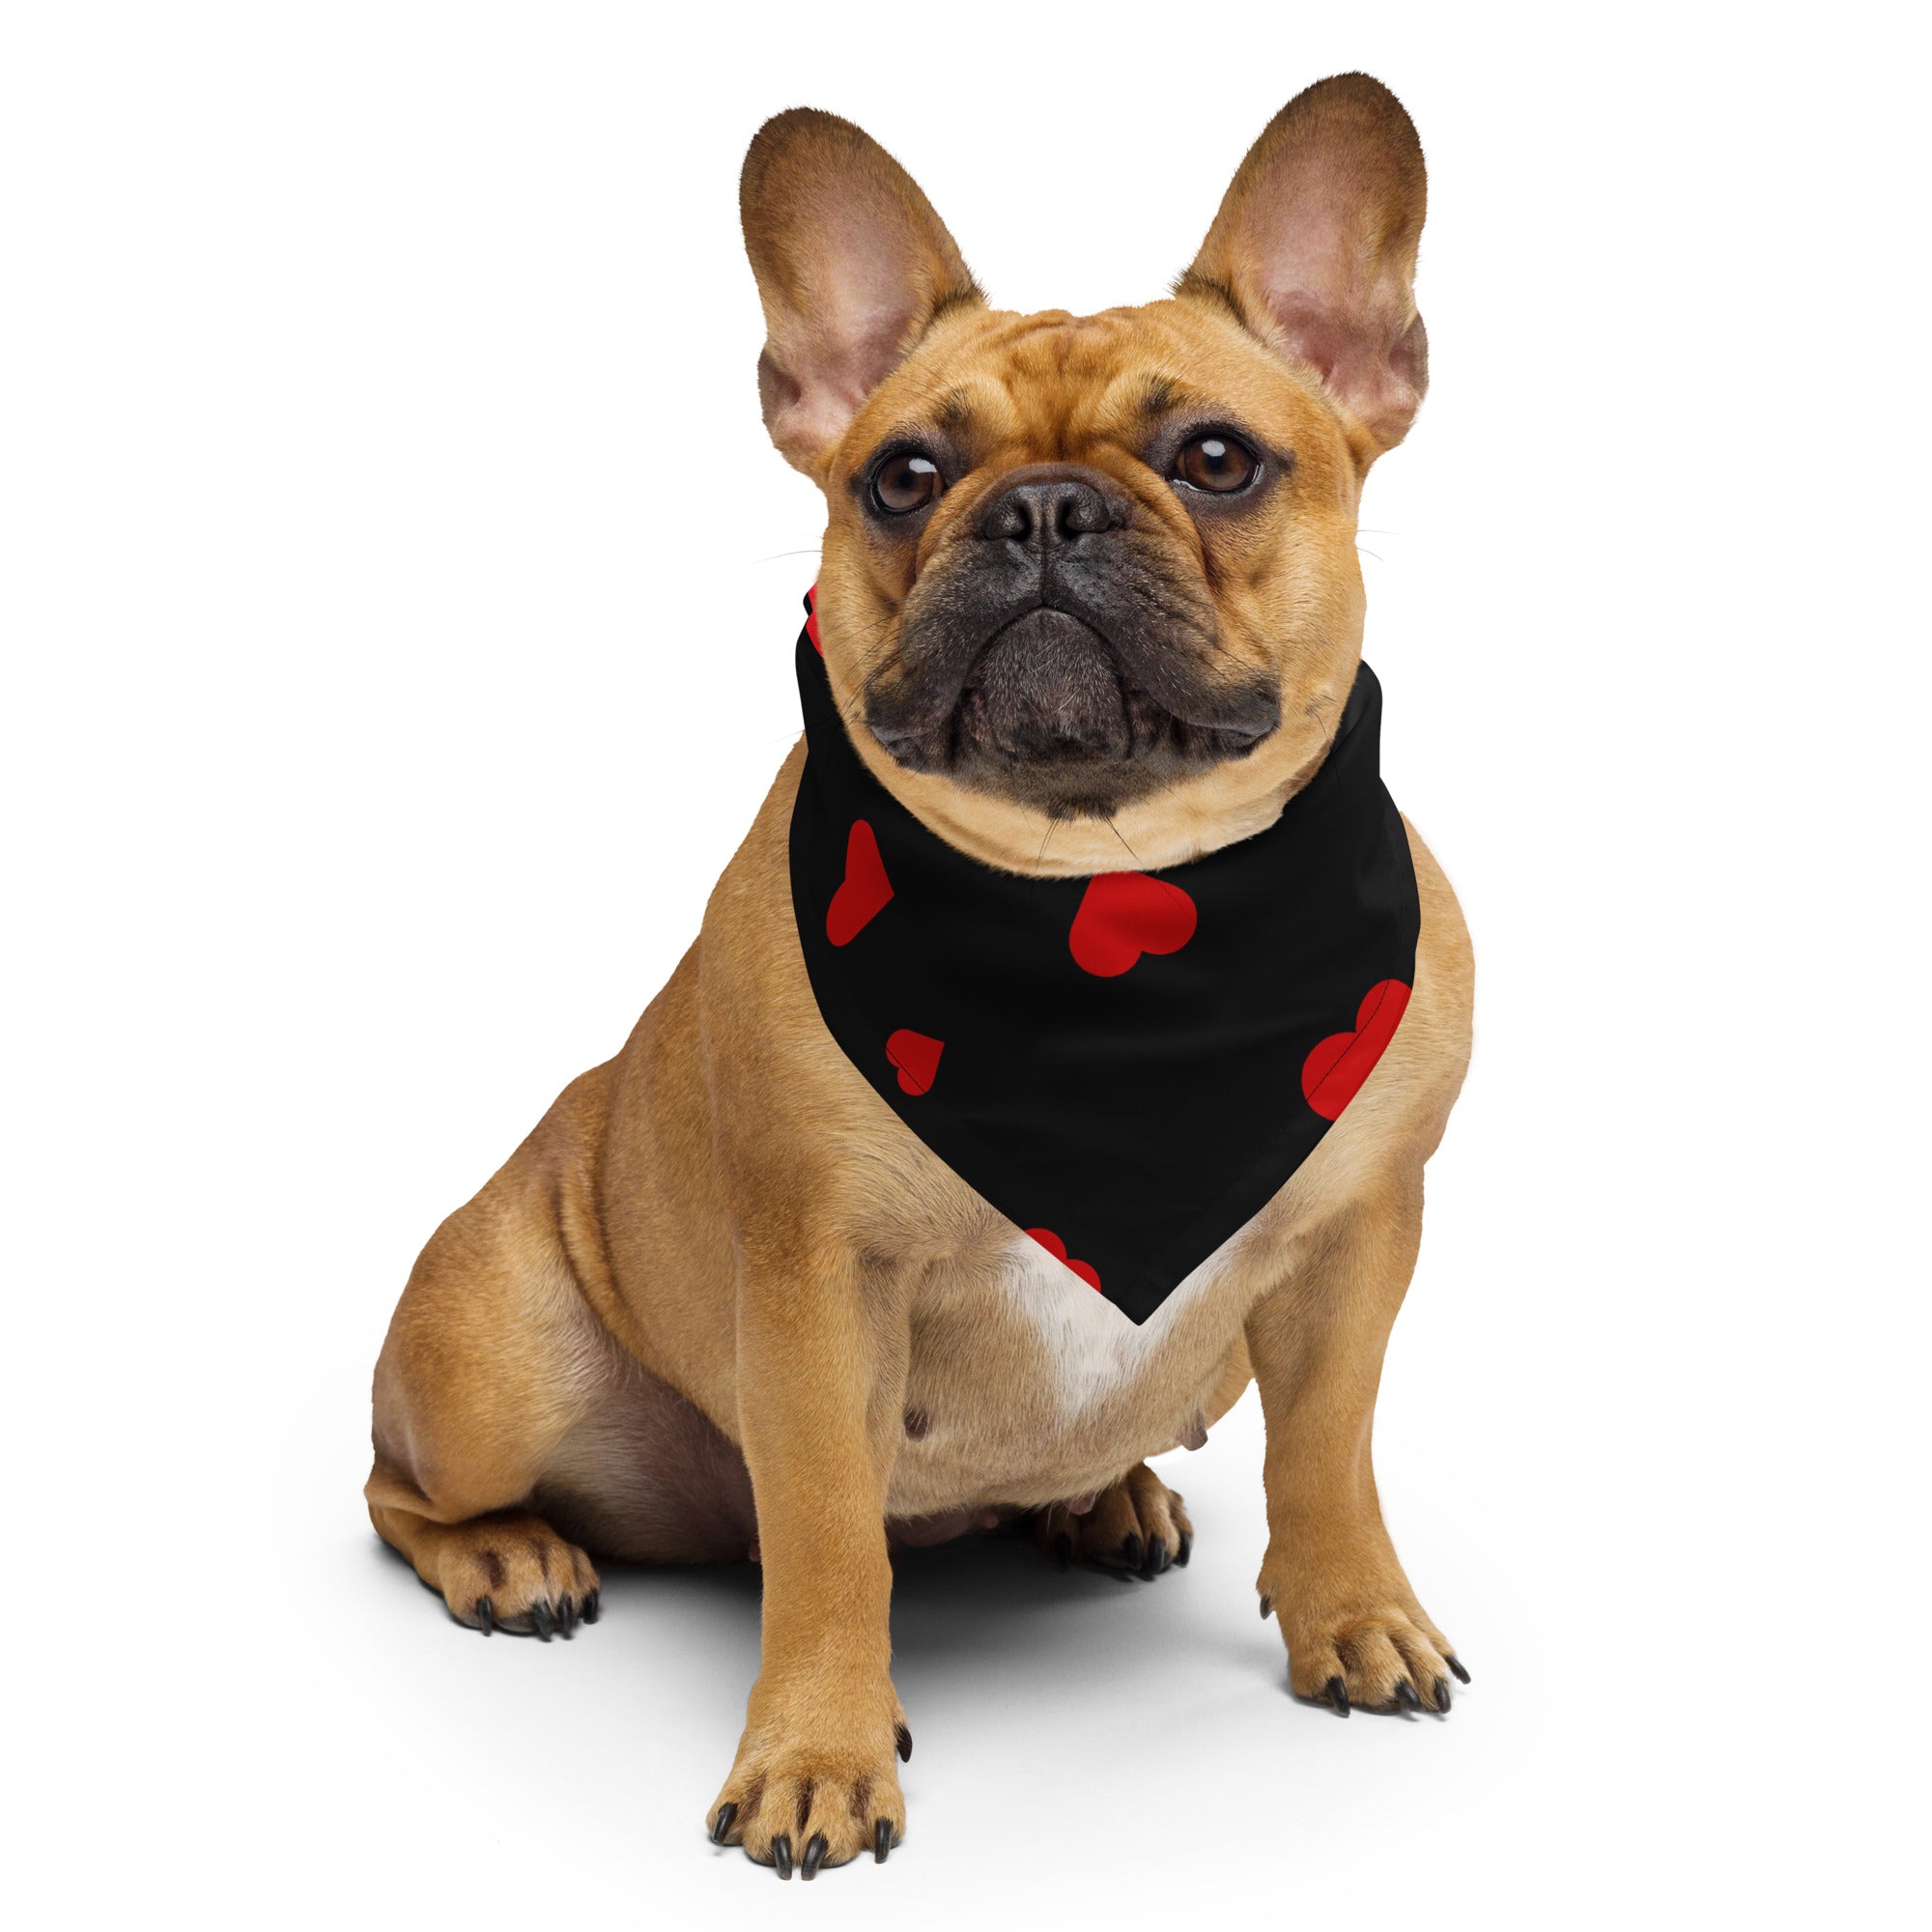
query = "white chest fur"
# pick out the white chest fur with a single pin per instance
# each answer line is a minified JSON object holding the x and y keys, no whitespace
{"x":1090,"y":1351}
{"x":1032,"y":1387}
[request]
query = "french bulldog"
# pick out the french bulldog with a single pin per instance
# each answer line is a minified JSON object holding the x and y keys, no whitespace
{"x":722,"y":1305}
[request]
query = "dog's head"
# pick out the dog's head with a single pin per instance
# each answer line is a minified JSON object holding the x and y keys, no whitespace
{"x":1090,"y":581}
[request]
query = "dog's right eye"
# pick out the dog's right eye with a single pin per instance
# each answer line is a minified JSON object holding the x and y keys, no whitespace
{"x":906,"y":482}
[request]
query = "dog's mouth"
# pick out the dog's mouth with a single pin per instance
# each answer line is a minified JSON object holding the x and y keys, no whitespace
{"x":1052,"y":713}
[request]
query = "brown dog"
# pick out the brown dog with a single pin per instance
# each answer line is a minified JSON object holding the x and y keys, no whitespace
{"x":722,"y":1303}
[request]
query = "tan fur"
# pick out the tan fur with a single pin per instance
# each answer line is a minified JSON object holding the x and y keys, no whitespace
{"x":723,"y":1243}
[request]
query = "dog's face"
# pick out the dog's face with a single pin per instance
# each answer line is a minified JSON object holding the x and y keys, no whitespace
{"x":1090,"y":595}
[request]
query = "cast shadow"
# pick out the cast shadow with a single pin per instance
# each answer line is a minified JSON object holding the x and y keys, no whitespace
{"x":980,"y":1603}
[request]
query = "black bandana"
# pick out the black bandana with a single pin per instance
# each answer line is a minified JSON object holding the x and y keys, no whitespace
{"x":1128,"y":1065}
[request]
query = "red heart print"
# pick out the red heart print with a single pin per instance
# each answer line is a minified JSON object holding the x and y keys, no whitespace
{"x":1057,"y":1248}
{"x":811,"y":618}
{"x":864,"y":890}
{"x":1332,"y":1075}
{"x":916,"y":1055}
{"x":1125,"y":914}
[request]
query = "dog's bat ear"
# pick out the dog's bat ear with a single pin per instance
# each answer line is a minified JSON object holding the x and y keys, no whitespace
{"x":852,"y":267}
{"x":1314,"y":247}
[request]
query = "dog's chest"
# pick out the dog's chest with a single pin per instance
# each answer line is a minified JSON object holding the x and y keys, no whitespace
{"x":1025,"y":1385}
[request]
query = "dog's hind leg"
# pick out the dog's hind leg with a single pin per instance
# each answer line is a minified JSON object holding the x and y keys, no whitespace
{"x":492,"y":1358}
{"x":1137,"y":1524}
{"x":507,"y":1570}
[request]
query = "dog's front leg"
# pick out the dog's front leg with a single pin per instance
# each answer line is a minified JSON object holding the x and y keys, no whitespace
{"x":821,"y":1380}
{"x":1355,"y":1631}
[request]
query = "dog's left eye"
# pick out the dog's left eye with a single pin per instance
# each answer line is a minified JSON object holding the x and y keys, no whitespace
{"x":906,"y":482}
{"x":1216,"y":463}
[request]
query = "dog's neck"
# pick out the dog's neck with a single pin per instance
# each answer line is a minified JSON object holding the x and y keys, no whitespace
{"x":1181,"y":823}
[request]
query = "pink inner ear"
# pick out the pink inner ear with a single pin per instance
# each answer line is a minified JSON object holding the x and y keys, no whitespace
{"x":814,"y":382}
{"x":850,"y":260}
{"x":1315,"y":240}
{"x":1311,"y":332}
{"x":1371,"y":364}
{"x":875,"y":288}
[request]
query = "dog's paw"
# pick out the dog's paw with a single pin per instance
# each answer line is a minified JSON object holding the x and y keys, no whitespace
{"x":1376,"y":1649}
{"x":512,"y":1572}
{"x":807,"y":1792}
{"x":1139,"y":1525}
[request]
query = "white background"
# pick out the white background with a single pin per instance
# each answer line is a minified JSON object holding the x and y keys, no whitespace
{"x":398,"y":604}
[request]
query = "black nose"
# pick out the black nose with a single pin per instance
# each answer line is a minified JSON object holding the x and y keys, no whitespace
{"x":1042,"y":507}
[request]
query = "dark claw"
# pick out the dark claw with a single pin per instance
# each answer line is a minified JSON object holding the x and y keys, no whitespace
{"x":1062,"y":1550}
{"x":815,"y":1850}
{"x":781,"y":1856}
{"x":1130,"y":1548}
{"x":1268,"y":1605}
{"x":486,"y":1615}
{"x":1338,"y":1695}
{"x":1404,"y":1695}
{"x":1461,"y":1675}
{"x":882,"y":1840}
{"x":1185,"y":1551}
{"x":721,"y":1826}
{"x":591,"y":1606}
{"x":1443,"y":1695}
{"x":540,"y":1616}
{"x":902,"y":1739}
{"x":566,"y":1615}
{"x":1157,"y":1555}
